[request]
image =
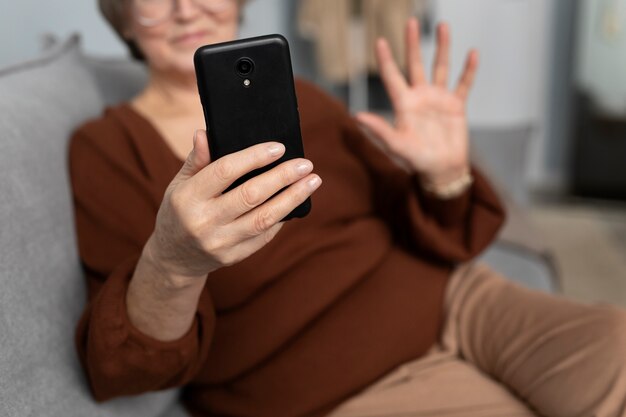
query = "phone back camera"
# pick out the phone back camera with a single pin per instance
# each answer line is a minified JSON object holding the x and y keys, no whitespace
{"x":244,"y":66}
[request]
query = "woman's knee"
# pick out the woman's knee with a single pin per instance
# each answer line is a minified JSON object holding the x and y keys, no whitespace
{"x":595,"y":380}
{"x":611,"y":327}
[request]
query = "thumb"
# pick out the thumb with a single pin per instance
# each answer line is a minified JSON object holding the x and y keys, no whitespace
{"x":377,"y":125}
{"x":198,"y":158}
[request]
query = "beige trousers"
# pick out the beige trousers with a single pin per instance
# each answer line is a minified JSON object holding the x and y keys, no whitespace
{"x":506,"y":350}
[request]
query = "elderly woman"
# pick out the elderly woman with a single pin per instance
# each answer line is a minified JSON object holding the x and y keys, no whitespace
{"x":368,"y":306}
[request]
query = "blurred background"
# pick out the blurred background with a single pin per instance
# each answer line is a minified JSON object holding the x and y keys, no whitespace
{"x":548,"y":111}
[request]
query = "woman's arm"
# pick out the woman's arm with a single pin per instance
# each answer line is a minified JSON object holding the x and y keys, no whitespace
{"x":430,"y":137}
{"x":122,"y":350}
{"x":448,"y":230}
{"x":149,"y":321}
{"x":161,"y":305}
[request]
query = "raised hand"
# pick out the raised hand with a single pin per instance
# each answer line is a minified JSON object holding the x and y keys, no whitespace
{"x":430,"y":131}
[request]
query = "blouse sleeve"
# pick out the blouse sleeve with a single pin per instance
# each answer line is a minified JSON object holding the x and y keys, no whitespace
{"x":114,"y":216}
{"x":453,"y":230}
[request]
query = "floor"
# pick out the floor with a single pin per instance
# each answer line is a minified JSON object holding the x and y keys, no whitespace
{"x":589,"y":242}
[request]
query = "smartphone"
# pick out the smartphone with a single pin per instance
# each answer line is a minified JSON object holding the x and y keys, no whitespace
{"x":247,"y":92}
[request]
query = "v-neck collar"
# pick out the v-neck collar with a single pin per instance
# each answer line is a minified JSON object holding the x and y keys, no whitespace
{"x":159,"y":160}
{"x":153,"y":130}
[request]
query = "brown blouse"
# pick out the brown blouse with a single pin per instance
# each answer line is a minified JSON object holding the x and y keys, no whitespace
{"x":334,"y":302}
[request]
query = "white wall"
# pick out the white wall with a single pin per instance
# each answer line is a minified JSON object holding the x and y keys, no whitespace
{"x":515,"y":43}
{"x":265,"y":16}
{"x":504,"y":94}
{"x":25,"y":21}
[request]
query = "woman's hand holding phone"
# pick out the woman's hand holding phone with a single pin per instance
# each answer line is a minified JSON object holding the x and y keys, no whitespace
{"x":199,"y":230}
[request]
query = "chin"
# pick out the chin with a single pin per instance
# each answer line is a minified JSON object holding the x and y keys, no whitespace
{"x":186,"y":67}
{"x":182,"y":58}
{"x":179,"y":58}
{"x":180,"y":64}
{"x":174,"y":61}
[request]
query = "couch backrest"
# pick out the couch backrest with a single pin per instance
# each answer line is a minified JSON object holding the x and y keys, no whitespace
{"x":41,"y":284}
{"x":117,"y":79}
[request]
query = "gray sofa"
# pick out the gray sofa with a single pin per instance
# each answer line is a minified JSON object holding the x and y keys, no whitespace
{"x":41,"y":102}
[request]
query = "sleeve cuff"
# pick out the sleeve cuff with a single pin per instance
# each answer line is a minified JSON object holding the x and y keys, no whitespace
{"x":447,"y":212}
{"x":110,"y":317}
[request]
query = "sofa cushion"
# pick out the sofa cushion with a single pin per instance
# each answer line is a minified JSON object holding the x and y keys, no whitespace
{"x":118,"y":79}
{"x":41,"y":103}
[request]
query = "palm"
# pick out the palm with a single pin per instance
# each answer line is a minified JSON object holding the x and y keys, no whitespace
{"x":430,"y":129}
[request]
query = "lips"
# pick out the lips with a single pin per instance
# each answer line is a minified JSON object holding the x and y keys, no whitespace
{"x":190,"y":37}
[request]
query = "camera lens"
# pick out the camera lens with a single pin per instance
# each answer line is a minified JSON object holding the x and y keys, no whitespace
{"x":244,"y":66}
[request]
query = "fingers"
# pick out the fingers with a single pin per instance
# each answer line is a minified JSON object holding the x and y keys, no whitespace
{"x":219,"y":175}
{"x":442,"y":59}
{"x":377,"y":125}
{"x":263,"y":218}
{"x":391,"y":75}
{"x":198,"y":158}
{"x":469,"y":74}
{"x":251,"y":246}
{"x":417,"y":75}
{"x":259,"y":189}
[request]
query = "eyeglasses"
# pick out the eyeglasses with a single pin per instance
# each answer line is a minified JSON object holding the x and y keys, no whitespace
{"x":154,"y":12}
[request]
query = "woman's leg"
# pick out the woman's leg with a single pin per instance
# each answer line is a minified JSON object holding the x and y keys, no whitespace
{"x":563,"y":357}
{"x":438,"y":384}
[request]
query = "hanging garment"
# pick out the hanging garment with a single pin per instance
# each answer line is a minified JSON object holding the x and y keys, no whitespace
{"x":327,"y":23}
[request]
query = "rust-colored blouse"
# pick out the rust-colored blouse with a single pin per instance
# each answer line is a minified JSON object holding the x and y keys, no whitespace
{"x":334,"y":302}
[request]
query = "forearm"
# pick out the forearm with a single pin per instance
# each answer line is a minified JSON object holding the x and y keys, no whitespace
{"x":160,"y":305}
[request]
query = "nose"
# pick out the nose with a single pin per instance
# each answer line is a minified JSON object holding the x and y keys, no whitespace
{"x":185,"y":9}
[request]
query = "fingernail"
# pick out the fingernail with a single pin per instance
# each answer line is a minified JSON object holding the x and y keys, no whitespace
{"x":314,"y":182}
{"x":195,"y":137}
{"x":275,"y":150}
{"x":304,"y":168}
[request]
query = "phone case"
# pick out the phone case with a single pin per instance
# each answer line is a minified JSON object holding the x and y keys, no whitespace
{"x":242,"y":109}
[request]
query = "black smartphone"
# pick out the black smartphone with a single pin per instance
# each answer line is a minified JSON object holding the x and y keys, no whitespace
{"x":248,"y":95}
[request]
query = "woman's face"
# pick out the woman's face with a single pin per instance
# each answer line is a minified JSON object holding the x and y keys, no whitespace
{"x":169,"y":44}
